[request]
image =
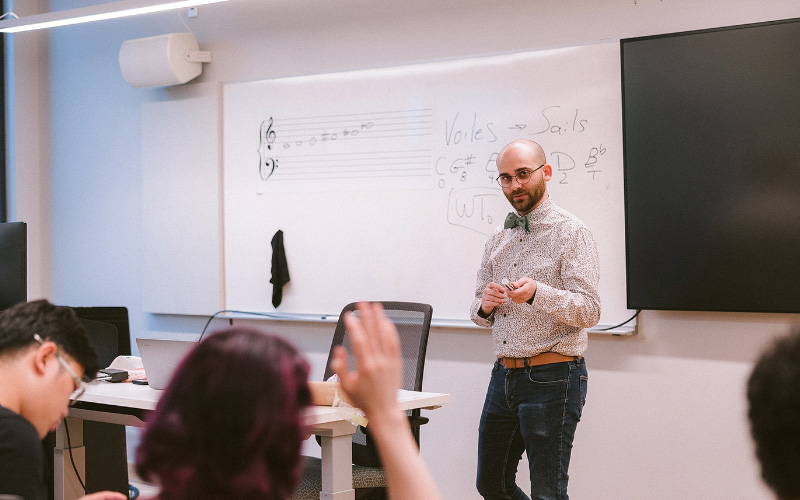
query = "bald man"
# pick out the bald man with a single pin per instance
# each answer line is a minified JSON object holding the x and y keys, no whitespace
{"x":537,"y":290}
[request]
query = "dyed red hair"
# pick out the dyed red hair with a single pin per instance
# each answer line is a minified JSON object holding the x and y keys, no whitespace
{"x":229,"y":425}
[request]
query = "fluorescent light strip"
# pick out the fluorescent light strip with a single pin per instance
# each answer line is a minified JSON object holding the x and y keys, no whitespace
{"x":112,"y":10}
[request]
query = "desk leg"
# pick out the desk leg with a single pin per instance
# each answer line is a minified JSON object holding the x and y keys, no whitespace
{"x":67,"y":486}
{"x":337,"y":464}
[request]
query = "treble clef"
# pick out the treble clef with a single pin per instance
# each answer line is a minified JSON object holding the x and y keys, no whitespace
{"x":268,"y":134}
{"x":266,"y":137}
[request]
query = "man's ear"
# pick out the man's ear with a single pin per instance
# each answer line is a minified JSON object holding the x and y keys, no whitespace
{"x":547,"y":170}
{"x":41,"y":356}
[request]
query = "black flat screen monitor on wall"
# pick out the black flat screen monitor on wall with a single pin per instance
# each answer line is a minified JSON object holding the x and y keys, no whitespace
{"x":13,"y":267}
{"x":711,"y":133}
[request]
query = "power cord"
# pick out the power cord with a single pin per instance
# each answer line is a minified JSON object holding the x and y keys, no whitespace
{"x":263,"y":315}
{"x":71,"y":458}
{"x":133,"y":491}
{"x":621,"y":324}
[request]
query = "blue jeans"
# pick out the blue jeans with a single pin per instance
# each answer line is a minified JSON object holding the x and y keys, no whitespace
{"x":533,"y":409}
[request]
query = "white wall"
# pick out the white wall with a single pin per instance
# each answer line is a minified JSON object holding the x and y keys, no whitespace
{"x":665,"y":415}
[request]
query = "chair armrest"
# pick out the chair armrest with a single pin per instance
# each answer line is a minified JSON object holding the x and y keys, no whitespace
{"x":416,"y":421}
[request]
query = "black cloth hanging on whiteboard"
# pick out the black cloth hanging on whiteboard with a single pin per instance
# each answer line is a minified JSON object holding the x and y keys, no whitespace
{"x":280,"y":270}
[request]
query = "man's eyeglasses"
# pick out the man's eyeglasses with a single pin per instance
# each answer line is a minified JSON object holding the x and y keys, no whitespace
{"x":523,"y":176}
{"x":80,"y":385}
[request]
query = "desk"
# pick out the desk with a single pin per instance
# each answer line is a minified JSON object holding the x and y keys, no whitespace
{"x":128,"y":404}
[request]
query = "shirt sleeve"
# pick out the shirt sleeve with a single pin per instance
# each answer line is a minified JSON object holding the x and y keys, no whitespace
{"x":578,"y":303}
{"x":483,"y":279}
{"x":21,"y":460}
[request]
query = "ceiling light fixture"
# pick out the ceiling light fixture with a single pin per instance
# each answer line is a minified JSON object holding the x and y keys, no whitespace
{"x":100,"y":12}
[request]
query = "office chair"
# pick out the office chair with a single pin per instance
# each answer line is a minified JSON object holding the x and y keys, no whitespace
{"x":413,"y":322}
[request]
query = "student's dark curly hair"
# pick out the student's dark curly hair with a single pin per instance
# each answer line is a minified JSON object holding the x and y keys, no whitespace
{"x":56,"y":323}
{"x":773,"y":394}
{"x":229,"y":425}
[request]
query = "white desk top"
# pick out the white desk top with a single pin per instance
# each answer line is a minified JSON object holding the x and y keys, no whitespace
{"x":125,"y":394}
{"x":144,"y":397}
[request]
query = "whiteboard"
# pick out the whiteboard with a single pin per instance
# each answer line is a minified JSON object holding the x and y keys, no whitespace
{"x":181,"y":208}
{"x":383,"y":180}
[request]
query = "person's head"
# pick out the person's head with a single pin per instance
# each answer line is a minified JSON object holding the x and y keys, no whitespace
{"x":49,"y":353}
{"x":229,"y":425}
{"x":773,"y":394}
{"x":523,"y":173}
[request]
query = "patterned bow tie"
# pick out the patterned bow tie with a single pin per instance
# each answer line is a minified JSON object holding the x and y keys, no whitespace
{"x":513,"y":220}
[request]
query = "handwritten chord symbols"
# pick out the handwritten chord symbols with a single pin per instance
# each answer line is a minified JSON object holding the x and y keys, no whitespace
{"x":593,"y":154}
{"x":591,"y":162}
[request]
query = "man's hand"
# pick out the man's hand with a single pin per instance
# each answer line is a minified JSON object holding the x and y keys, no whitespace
{"x":105,"y":495}
{"x":524,"y":289}
{"x":376,"y":346}
{"x":493,"y":296}
{"x":373,"y":388}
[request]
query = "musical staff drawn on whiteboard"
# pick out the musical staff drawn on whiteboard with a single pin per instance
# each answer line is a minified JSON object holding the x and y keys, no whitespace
{"x":392,"y":147}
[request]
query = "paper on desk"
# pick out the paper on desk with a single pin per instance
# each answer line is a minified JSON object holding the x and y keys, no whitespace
{"x":330,"y":393}
{"x":133,"y":365}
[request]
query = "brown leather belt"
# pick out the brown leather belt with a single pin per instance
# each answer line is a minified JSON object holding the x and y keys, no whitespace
{"x":544,"y":358}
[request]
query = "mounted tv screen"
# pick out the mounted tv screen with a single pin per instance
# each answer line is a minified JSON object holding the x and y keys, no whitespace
{"x":711,"y":133}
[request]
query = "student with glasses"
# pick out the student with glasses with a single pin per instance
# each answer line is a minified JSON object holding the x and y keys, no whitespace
{"x":537,"y":290}
{"x":45,"y":356}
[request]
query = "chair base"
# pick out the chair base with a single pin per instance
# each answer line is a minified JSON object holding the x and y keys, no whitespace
{"x":369,"y":482}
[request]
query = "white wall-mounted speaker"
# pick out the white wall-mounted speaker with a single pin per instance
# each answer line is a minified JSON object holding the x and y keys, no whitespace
{"x":161,"y":60}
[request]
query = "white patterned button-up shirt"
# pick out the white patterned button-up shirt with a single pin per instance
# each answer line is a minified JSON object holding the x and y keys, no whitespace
{"x":559,"y":253}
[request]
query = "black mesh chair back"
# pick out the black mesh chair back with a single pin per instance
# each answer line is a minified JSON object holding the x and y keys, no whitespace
{"x":413,"y":323}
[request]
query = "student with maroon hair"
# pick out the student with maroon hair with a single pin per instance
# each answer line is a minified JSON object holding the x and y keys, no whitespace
{"x":229,"y":425}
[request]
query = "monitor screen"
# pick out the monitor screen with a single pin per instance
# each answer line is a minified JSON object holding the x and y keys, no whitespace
{"x":711,"y":133}
{"x":13,"y":267}
{"x":115,"y":316}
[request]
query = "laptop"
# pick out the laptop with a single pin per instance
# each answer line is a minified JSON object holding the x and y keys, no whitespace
{"x":161,"y":357}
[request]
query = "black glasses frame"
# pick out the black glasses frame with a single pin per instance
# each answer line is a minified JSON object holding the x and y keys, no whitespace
{"x":506,"y":180}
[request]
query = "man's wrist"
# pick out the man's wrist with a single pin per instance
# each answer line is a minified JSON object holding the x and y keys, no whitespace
{"x":484,"y":314}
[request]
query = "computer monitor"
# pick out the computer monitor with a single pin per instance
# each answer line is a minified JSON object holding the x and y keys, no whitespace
{"x":117,"y":316}
{"x":13,"y":266}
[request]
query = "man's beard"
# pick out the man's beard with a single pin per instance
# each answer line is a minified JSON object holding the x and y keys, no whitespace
{"x":535,"y":194}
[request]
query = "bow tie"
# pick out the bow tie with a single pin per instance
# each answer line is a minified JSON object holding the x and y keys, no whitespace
{"x":513,"y":220}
